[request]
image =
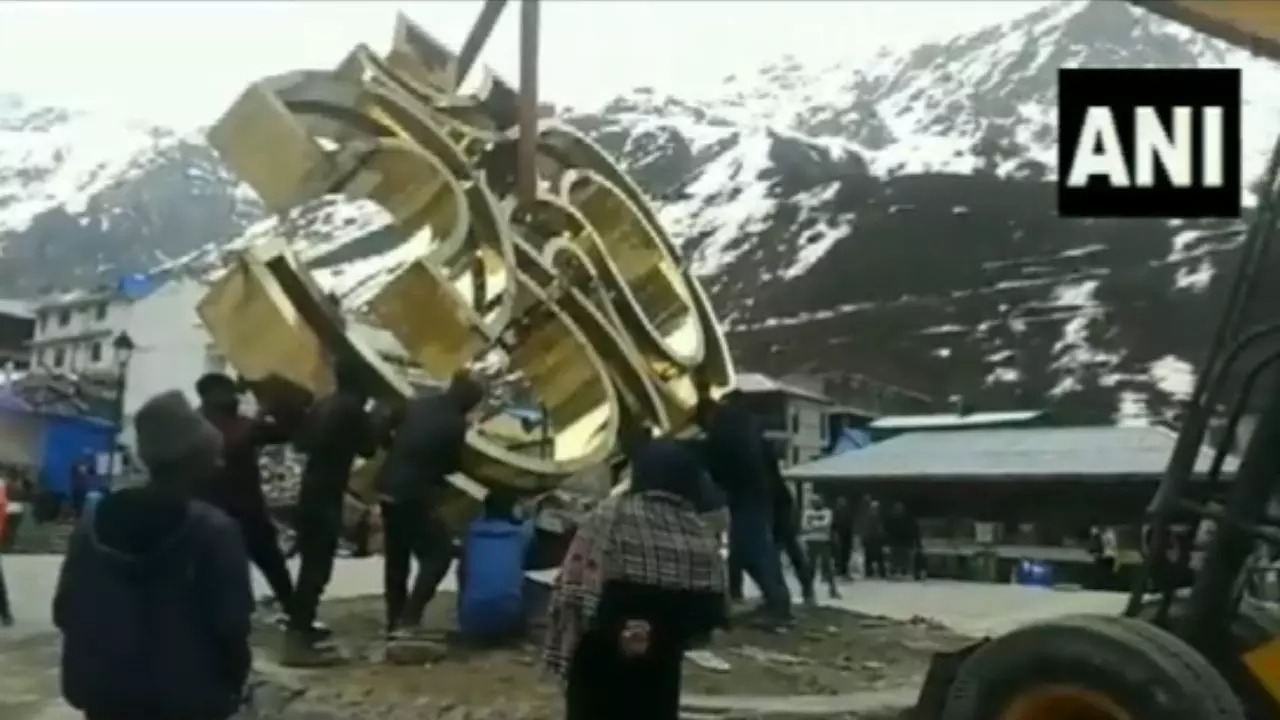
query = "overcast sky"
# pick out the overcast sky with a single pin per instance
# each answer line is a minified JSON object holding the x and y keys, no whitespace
{"x":182,"y":62}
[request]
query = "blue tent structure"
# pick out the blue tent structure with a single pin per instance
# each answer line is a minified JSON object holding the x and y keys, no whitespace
{"x":850,"y":439}
{"x":51,"y":442}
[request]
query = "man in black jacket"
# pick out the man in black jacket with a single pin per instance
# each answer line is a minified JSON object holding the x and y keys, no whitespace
{"x":736,"y":463}
{"x":336,"y":431}
{"x":426,"y":448}
{"x":786,"y":535}
{"x":154,"y":600}
{"x":237,"y":490}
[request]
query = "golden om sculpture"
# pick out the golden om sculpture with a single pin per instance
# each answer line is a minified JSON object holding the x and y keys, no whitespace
{"x":581,"y":296}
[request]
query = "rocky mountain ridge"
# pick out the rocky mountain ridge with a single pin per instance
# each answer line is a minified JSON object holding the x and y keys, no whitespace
{"x":895,"y":218}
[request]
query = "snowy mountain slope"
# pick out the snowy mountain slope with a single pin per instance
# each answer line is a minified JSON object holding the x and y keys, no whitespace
{"x":891,"y":218}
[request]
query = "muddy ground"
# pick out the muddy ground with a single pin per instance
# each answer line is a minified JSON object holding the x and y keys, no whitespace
{"x":829,"y":652}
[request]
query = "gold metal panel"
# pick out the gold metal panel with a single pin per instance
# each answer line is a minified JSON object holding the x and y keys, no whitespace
{"x":253,"y":324}
{"x":261,"y":142}
{"x":581,"y":300}
{"x":1251,"y":24}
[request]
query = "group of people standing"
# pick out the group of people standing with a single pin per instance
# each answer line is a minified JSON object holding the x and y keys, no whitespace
{"x":154,"y":599}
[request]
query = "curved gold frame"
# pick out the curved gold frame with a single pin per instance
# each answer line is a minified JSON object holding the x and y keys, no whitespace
{"x":581,"y":296}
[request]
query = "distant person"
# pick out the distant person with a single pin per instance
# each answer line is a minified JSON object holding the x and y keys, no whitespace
{"x":871,"y":527}
{"x":816,"y":532}
{"x":6,"y":611}
{"x":154,"y":600}
{"x":81,"y":481}
{"x":425,"y":449}
{"x":744,"y":478}
{"x":642,"y":579}
{"x":902,"y":535}
{"x":336,"y":430}
{"x":491,"y":603}
{"x":237,"y":489}
{"x":842,"y":528}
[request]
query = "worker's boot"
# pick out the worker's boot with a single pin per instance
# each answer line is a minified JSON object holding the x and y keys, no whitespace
{"x":303,"y":650}
{"x":319,"y":631}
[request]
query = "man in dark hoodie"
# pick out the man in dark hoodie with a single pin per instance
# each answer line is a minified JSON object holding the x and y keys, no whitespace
{"x":426,"y":448}
{"x":337,"y":430}
{"x":237,"y":490}
{"x":154,"y":600}
{"x":731,"y":435}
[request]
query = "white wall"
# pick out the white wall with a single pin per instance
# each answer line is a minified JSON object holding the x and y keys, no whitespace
{"x":171,"y":346}
{"x":806,"y":428}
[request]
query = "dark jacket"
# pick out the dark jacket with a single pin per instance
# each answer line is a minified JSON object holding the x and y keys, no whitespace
{"x":238,"y":488}
{"x":901,"y":530}
{"x":154,"y":604}
{"x":731,"y":434}
{"x":336,"y":430}
{"x":427,"y":446}
{"x":784,"y":505}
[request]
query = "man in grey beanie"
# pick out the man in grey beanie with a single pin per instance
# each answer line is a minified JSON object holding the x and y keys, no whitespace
{"x":154,"y":599}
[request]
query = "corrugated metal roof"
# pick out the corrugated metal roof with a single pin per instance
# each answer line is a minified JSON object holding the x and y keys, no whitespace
{"x":954,"y":420}
{"x":1011,"y":453}
{"x":760,"y":383}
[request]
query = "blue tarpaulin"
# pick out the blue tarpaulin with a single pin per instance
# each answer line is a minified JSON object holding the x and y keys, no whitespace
{"x":68,"y":440}
{"x":849,"y":440}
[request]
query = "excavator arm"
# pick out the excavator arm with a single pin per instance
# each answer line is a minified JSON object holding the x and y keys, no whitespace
{"x":1250,"y":24}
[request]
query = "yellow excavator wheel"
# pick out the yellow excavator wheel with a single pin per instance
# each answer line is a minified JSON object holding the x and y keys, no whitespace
{"x":1063,"y":702}
{"x":1089,"y":667}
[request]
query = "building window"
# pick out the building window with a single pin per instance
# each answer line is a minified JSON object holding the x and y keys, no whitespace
{"x":795,"y":456}
{"x":100,"y":312}
{"x":64,"y":317}
{"x":59,"y":358}
{"x":95,"y":352}
{"x":795,"y":423}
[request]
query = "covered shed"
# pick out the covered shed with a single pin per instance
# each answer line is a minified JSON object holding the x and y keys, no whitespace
{"x":48,"y":442}
{"x":1102,"y":474}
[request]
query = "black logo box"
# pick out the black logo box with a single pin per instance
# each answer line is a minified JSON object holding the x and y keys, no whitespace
{"x":1123,"y":90}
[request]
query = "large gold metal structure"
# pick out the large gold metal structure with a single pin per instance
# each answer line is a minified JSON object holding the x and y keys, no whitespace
{"x":1252,"y":24}
{"x":576,"y":290}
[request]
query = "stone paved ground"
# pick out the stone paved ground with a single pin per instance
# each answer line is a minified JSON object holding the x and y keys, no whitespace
{"x":971,"y":609}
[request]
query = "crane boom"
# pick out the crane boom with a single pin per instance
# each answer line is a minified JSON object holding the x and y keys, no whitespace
{"x":1250,"y":24}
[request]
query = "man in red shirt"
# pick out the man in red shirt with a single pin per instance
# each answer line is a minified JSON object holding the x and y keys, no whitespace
{"x":237,"y":489}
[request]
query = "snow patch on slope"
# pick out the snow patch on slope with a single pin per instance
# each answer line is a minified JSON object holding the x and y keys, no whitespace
{"x":1174,"y":376}
{"x":51,"y":157}
{"x":725,"y":205}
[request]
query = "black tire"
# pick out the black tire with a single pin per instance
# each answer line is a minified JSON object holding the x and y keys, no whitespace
{"x":1144,"y":671}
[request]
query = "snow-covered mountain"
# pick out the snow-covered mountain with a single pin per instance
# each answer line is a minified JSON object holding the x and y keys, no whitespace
{"x":894,"y":218}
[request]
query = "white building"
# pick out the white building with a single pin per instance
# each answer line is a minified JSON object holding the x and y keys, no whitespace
{"x":793,"y":418}
{"x":76,"y":334}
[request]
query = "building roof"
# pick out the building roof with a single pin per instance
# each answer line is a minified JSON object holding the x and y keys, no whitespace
{"x":1011,"y":454}
{"x":943,"y":421}
{"x":129,"y":288}
{"x":760,"y":383}
{"x":15,"y":308}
